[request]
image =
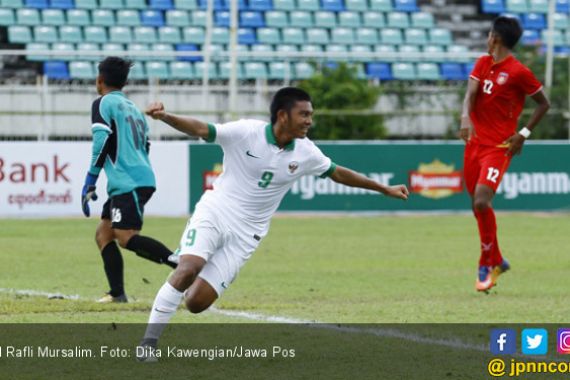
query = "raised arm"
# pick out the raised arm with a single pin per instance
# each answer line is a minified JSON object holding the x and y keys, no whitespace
{"x":468,"y":103}
{"x":186,"y":125}
{"x":351,"y":178}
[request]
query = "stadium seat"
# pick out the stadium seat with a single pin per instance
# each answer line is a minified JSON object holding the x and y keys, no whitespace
{"x":332,"y":5}
{"x":38,"y":4}
{"x":81,"y":70}
{"x":292,"y":36}
{"x":111,"y":4}
{"x":440,"y":36}
{"x":276,"y":19}
{"x":561,"y":21}
{"x":169,"y":35}
{"x":220,"y":35}
{"x":563,"y":6}
{"x":86,"y":4}
{"x":255,"y":70}
{"x":317,"y":36}
{"x":260,"y":5}
{"x":88,"y":47}
{"x":308,"y":48}
{"x":162,"y":5}
{"x":135,"y":4}
{"x":177,"y":17}
{"x":260,"y":50}
{"x":337,"y":48}
{"x":199,"y":68}
{"x":410,"y":53}
{"x":268,"y":36}
{"x":53,"y":17}
{"x":188,"y":5}
{"x":61,"y":4}
{"x":452,"y":71}
{"x":78,"y":17}
{"x":379,"y":70}
{"x":222,"y":18}
{"x":300,"y":19}
{"x":194,"y":35}
{"x":241,"y":4}
{"x":7,"y":17}
{"x":422,"y":20}
{"x":163,"y":48}
{"x":56,"y":70}
{"x":246,"y":36}
{"x":358,"y":52}
{"x":367,"y":36}
{"x":120,"y":35}
{"x":303,"y":70}
{"x":225,"y":70}
{"x":280,"y":71}
{"x":405,"y":5}
{"x":344,"y":36}
{"x":251,"y":19}
{"x":181,"y":70}
{"x":95,"y":34}
{"x":428,"y":71}
{"x":386,"y":52}
{"x":285,"y":5}
{"x":433,"y":53}
{"x":374,"y":20}
{"x":71,"y":34}
{"x":404,"y":71}
{"x":286,"y":48}
{"x":517,"y":6}
{"x":152,"y":18}
{"x":533,"y":21}
{"x":29,"y":17}
{"x":530,"y":37}
{"x":45,"y":34}
{"x":558,"y":37}
{"x":36,"y":46}
{"x":325,"y":19}
{"x":391,"y":36}
{"x":398,"y":20}
{"x":128,"y":17}
{"x":137,"y":72}
{"x":187,"y":47}
{"x":356,"y":5}
{"x":139,"y":48}
{"x":415,"y":36}
{"x":199,"y":18}
{"x":103,"y":17}
{"x":493,"y":6}
{"x":158,"y":70}
{"x":538,"y":6}
{"x":349,"y":19}
{"x":145,"y":35}
{"x":308,"y":5}
{"x":112,"y":47}
{"x":15,"y":4}
{"x":381,"y":5}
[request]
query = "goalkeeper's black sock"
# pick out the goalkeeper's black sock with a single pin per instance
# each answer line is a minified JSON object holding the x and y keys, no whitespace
{"x":113,"y":263}
{"x":150,"y":249}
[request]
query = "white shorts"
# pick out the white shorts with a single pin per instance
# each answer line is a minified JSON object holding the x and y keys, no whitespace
{"x":223,"y":249}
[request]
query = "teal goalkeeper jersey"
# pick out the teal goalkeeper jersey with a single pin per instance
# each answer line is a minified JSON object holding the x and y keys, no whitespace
{"x":120,"y":144}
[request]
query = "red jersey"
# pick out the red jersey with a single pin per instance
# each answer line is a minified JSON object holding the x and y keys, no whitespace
{"x":500,"y":99}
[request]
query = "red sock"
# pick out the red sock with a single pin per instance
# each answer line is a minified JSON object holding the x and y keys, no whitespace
{"x":490,"y":252}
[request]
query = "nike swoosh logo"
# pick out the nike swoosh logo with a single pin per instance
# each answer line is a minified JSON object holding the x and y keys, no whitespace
{"x":223,"y":283}
{"x":251,"y":155}
{"x":160,"y":311}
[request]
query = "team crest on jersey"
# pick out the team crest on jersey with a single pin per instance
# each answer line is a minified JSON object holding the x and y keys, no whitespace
{"x":502,"y":78}
{"x":293,"y":166}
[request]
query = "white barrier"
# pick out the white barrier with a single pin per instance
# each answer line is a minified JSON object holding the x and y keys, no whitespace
{"x":44,"y":179}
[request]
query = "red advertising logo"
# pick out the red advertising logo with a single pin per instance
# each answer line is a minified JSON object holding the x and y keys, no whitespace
{"x":210,"y":176}
{"x":436,"y":180}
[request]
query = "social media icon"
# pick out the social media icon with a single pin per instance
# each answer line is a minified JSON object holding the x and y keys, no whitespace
{"x":534,"y":341}
{"x":563,"y":344}
{"x":503,"y":341}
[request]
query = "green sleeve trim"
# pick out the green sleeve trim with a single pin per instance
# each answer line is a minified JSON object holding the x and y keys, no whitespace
{"x":211,"y":133}
{"x":329,"y":172}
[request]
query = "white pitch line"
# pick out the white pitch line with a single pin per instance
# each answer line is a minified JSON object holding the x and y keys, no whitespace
{"x":38,"y":293}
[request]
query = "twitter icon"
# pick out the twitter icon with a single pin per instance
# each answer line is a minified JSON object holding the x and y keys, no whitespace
{"x":534,"y":341}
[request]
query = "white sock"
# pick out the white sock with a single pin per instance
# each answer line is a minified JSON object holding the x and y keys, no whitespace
{"x":164,"y":307}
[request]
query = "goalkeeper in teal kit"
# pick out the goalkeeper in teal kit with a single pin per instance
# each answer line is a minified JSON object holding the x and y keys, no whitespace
{"x":121,"y":148}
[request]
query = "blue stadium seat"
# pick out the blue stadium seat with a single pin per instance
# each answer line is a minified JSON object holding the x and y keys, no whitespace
{"x":218,"y":5}
{"x":177,"y":18}
{"x":28,"y":17}
{"x":562,"y":6}
{"x":222,"y":18}
{"x":332,"y":5}
{"x":86,"y":4}
{"x":242,"y":6}
{"x":120,"y":35}
{"x":187,"y":5}
{"x":169,"y":35}
{"x":493,"y":6}
{"x":81,"y":70}
{"x":56,"y":70}
{"x":404,"y":71}
{"x":530,"y":37}
{"x":128,"y":17}
{"x":468,"y":68}
{"x":251,"y":19}
{"x":53,"y":17}
{"x":285,"y":5}
{"x":379,"y":70}
{"x":405,"y":5}
{"x":95,"y":34}
{"x":162,"y":5}
{"x":152,"y":18}
{"x":276,"y":19}
{"x":78,"y":17}
{"x":38,"y":4}
{"x":246,"y":36}
{"x":7,"y":17}
{"x":303,"y":70}
{"x":269,"y":36}
{"x":103,"y":17}
{"x":452,"y":71}
{"x":301,"y":19}
{"x":428,"y":71}
{"x":158,"y":70}
{"x":533,"y":21}
{"x":15,"y":4}
{"x":71,"y":34}
{"x":188,"y":47}
{"x":135,"y":4}
{"x":36,"y":46}
{"x":181,"y":70}
{"x":111,"y":4}
{"x":45,"y":34}
{"x":194,"y":35}
{"x":145,"y":35}
{"x":62,"y":4}
{"x":260,"y":5}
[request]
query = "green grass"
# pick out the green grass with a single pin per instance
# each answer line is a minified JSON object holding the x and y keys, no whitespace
{"x":338,"y":269}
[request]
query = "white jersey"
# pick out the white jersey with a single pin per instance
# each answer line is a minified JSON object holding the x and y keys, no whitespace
{"x":257,"y":173}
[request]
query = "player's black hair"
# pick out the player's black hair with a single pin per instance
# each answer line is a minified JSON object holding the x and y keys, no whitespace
{"x":115,"y":71}
{"x":285,"y":99}
{"x":508,"y":29}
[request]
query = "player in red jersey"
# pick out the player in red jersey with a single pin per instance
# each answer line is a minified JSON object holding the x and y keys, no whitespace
{"x":496,"y":92}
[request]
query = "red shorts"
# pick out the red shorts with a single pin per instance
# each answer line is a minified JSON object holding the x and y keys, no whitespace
{"x":484,"y":165}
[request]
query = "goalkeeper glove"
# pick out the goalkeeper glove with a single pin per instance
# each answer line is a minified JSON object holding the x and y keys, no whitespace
{"x":88,"y":193}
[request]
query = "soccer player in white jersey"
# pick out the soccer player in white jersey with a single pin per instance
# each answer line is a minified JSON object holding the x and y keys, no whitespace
{"x":261,"y":163}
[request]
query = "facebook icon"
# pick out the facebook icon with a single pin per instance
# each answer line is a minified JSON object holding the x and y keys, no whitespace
{"x":503,"y":342}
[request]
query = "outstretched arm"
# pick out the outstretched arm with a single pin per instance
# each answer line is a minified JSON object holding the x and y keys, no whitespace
{"x":186,"y":125}
{"x":468,"y":102}
{"x":351,"y":178}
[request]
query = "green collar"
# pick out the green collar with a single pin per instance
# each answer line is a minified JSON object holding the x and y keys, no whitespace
{"x":271,"y":138}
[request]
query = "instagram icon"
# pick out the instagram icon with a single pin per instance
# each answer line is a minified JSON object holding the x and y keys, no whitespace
{"x":563,"y":345}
